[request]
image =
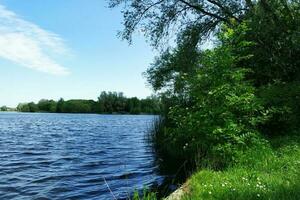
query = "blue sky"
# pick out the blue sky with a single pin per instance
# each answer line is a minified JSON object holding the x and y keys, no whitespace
{"x":53,"y":48}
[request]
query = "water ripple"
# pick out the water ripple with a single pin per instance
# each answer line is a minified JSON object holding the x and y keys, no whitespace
{"x":65,"y":156}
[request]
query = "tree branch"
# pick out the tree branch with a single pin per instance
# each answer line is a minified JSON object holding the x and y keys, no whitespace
{"x":224,"y":9}
{"x":200,"y":9}
{"x":249,"y":3}
{"x":144,"y":12}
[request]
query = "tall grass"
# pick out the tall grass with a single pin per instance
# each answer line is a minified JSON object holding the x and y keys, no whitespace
{"x":168,"y":156}
{"x":171,"y":164}
{"x":144,"y":196}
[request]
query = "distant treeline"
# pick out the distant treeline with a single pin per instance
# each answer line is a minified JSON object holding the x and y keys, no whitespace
{"x":5,"y":108}
{"x":108,"y":102}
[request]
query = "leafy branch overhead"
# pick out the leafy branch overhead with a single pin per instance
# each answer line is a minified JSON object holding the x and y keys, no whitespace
{"x":159,"y":19}
{"x":191,"y":22}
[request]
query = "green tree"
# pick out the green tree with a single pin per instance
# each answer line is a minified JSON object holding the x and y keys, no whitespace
{"x":223,"y":114}
{"x":150,"y":105}
{"x":33,"y":107}
{"x":189,"y":22}
{"x":273,"y":29}
{"x":78,"y":106}
{"x":23,"y":107}
{"x":45,"y":105}
{"x":108,"y":102}
{"x":134,"y":105}
{"x":157,"y":18}
{"x":218,"y":101}
{"x":3,"y":108}
{"x":60,"y":106}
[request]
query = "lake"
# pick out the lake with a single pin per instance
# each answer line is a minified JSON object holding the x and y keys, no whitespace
{"x":70,"y":156}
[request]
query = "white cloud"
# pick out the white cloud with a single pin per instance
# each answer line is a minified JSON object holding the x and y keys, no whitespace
{"x":27,"y":44}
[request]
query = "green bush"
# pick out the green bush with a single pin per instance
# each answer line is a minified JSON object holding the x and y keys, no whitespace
{"x":224,"y":113}
{"x":283,"y":99}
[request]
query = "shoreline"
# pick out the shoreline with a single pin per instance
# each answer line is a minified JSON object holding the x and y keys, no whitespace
{"x":178,"y":193}
{"x":77,"y":113}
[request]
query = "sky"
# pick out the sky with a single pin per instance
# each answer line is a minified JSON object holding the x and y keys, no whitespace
{"x":70,"y":49}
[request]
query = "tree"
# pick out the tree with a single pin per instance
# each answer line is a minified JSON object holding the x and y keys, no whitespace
{"x":60,"y":105}
{"x":273,"y":29}
{"x":78,"y":106}
{"x":134,"y":105}
{"x":190,"y":22}
{"x":45,"y":105}
{"x":150,"y":105}
{"x":157,"y":18}
{"x":33,"y":107}
{"x":3,"y":108}
{"x":23,"y":107}
{"x":108,"y":102}
{"x":219,"y":100}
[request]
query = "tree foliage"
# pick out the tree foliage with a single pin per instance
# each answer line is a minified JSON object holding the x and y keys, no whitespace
{"x":108,"y":102}
{"x":220,"y":113}
{"x":219,"y":101}
{"x":274,"y":31}
{"x":160,"y":19}
{"x":3,"y":108}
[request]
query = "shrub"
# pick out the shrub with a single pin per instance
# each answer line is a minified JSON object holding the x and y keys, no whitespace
{"x":283,"y":99}
{"x":225,"y":113}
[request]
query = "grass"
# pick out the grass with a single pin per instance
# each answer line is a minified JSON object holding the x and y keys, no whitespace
{"x":268,"y":172}
{"x":144,"y":196}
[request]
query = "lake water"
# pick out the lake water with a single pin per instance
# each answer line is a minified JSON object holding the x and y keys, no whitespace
{"x":68,"y":156}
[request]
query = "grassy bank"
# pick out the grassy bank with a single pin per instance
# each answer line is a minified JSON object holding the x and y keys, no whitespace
{"x":268,"y":172}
